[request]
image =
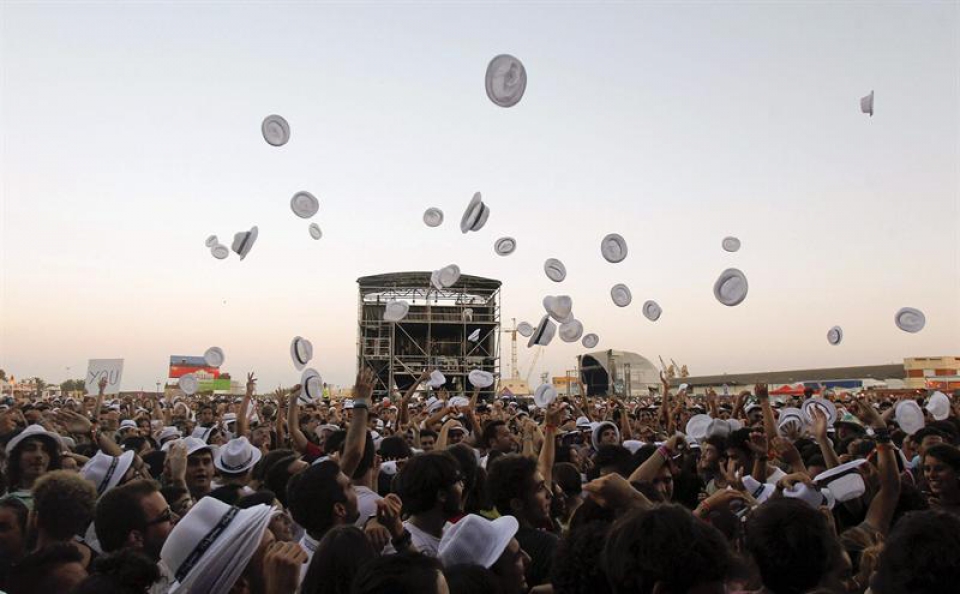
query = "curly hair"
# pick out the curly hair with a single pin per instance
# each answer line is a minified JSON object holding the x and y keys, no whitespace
{"x":510,"y":477}
{"x":423,"y":477}
{"x":64,"y":504}
{"x":921,"y":555}
{"x":124,"y":572}
{"x":576,"y":566}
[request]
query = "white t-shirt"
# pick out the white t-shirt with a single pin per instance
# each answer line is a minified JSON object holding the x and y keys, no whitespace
{"x":424,"y":542}
{"x":309,"y":546}
{"x":366,"y":504}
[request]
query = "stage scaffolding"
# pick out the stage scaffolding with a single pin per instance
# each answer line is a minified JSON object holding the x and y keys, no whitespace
{"x":434,"y":334}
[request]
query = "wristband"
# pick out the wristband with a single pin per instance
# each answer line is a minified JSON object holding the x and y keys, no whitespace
{"x":665,"y":452}
{"x":882,"y":435}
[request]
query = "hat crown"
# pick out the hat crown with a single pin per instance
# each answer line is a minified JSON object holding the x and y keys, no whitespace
{"x":476,"y":541}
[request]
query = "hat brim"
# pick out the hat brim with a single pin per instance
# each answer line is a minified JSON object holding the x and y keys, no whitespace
{"x":471,"y":220}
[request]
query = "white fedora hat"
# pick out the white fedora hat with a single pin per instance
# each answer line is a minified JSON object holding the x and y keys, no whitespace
{"x":835,"y":335}
{"x":506,"y":80}
{"x":474,"y":336}
{"x":214,"y":357}
{"x":939,"y":406}
{"x":810,"y":495}
{"x":304,"y":204}
{"x":395,"y":311}
{"x":188,"y":383}
{"x":243,"y":241}
{"x":651,"y":310}
{"x":311,"y":386}
{"x":433,"y":217}
{"x":866,"y":104}
{"x":480,"y":379}
{"x":613,"y":247}
{"x":448,"y":275}
{"x":211,"y":241}
{"x":824,"y":405}
{"x":730,"y":244}
{"x":555,"y":270}
{"x":505,"y":246}
{"x":210,"y":547}
{"x":697,"y":426}
{"x":301,"y":352}
{"x":620,"y":293}
{"x":544,"y":395}
{"x":525,"y":329}
{"x":790,"y":420}
{"x":167,"y":433}
{"x":105,"y":471}
{"x":475,"y":540}
{"x":571,"y":331}
{"x":195,"y":444}
{"x":760,"y":491}
{"x":275,"y":130}
{"x":731,"y":287}
{"x":220,"y":251}
{"x":544,"y":332}
{"x":475,"y":216}
{"x":559,"y":307}
{"x":202,"y":433}
{"x":844,"y":481}
{"x":236,"y":456}
{"x":590,"y":340}
{"x":910,"y":319}
{"x":437,"y":379}
{"x":598,"y":429}
{"x":315,"y":231}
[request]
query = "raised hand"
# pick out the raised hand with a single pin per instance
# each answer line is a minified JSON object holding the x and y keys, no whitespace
{"x":102,"y":384}
{"x":251,"y":383}
{"x":553,"y":416}
{"x":73,"y":422}
{"x":614,"y":492}
{"x":176,"y":461}
{"x":819,"y":425}
{"x":388,"y":514}
{"x":786,"y":451}
{"x":363,"y":389}
{"x":761,"y":391}
{"x":758,"y":443}
{"x":281,"y":567}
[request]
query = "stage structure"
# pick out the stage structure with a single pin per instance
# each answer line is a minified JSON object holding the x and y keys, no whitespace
{"x":435,"y":334}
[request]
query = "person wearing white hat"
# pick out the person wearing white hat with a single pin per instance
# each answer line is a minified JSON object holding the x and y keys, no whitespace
{"x":234,"y":461}
{"x":106,"y":472}
{"x":474,"y":540}
{"x":604,"y":433}
{"x":199,"y":476}
{"x":30,"y":453}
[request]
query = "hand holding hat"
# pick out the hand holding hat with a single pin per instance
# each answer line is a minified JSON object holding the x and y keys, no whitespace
{"x":281,"y":566}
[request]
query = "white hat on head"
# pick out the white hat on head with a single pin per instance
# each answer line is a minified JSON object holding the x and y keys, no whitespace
{"x":395,"y":311}
{"x":559,"y":307}
{"x":434,"y":404}
{"x":571,"y":331}
{"x":275,"y":130}
{"x":555,"y":270}
{"x":730,"y":244}
{"x":844,"y":481}
{"x":939,"y":406}
{"x":544,"y":333}
{"x":34,"y":431}
{"x":195,"y":444}
{"x":598,"y":428}
{"x":301,"y":351}
{"x":590,"y":340}
{"x":910,"y":319}
{"x":202,"y":433}
{"x":480,"y":379}
{"x":237,"y":456}
{"x":506,"y":80}
{"x":167,"y":433}
{"x":433,"y":217}
{"x":304,"y":204}
{"x":209,"y":548}
{"x":475,"y":540}
{"x":731,"y":287}
{"x":544,"y":395}
{"x":613,"y":247}
{"x":505,"y":246}
{"x":620,"y":293}
{"x":127,"y":424}
{"x":105,"y":471}
{"x":243,"y":241}
{"x":475,"y":216}
{"x":584,"y":423}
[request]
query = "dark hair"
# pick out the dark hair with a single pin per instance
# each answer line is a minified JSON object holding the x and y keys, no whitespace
{"x":339,"y":556}
{"x":422,"y":478}
{"x":119,"y":511}
{"x":124,"y":572}
{"x":664,"y":544}
{"x":490,"y":432}
{"x":171,"y":493}
{"x":338,"y":440}
{"x":404,"y":573}
{"x":472,"y":579}
{"x":229,"y":493}
{"x":263,"y":466}
{"x":278,"y":477}
{"x":133,"y":443}
{"x":739,"y":439}
{"x":612,"y":457}
{"x":429,"y":433}
{"x":563,"y":451}
{"x":19,"y":509}
{"x":154,"y":461}
{"x":577,"y":567}
{"x":35,"y":573}
{"x":591,"y":512}
{"x":568,"y":478}
{"x":791,"y":544}
{"x":64,"y":503}
{"x":510,"y":477}
{"x":946,"y":453}
{"x":921,"y":555}
{"x":312,"y":494}
{"x":395,"y":447}
{"x":15,"y":472}
{"x":260,"y":497}
{"x":475,"y":496}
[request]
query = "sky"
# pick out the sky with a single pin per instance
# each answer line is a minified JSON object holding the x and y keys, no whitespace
{"x":130,"y":132}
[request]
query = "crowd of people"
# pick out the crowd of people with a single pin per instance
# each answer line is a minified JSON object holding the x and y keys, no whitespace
{"x":433,"y":493}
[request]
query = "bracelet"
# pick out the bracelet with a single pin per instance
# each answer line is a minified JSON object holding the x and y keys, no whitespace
{"x":665,"y":452}
{"x":548,"y":426}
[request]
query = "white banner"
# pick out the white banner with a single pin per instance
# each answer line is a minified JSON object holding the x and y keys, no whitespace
{"x":112,"y":369}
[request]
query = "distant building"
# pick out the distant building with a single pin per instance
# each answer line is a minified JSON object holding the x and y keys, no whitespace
{"x":618,"y":373}
{"x":933,"y":373}
{"x":849,"y":378}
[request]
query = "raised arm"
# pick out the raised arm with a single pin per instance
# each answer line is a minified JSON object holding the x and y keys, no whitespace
{"x":281,"y":417}
{"x":884,"y":503}
{"x":769,"y":423}
{"x":647,"y":471}
{"x":548,"y":450}
{"x":356,"y":438}
{"x":297,"y":438}
{"x":242,"y":422}
{"x":819,"y":430}
{"x":102,"y":386}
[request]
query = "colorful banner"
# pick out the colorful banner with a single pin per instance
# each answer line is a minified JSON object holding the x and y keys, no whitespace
{"x":181,"y":365}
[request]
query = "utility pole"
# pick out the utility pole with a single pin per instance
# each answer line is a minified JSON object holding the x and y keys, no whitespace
{"x":514,"y":372}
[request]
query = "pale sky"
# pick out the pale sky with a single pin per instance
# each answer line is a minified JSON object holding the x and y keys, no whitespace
{"x":132,"y":132}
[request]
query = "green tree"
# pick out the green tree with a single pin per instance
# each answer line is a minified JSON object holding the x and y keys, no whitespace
{"x":40,"y":385}
{"x":3,"y":375}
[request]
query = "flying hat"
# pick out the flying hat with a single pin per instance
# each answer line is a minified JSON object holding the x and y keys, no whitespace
{"x":866,"y":104}
{"x":188,"y":383}
{"x":236,"y":456}
{"x":448,"y":276}
{"x":613,"y":247}
{"x":910,"y":320}
{"x":555,"y":270}
{"x":275,"y":130}
{"x":844,"y":481}
{"x":506,"y":80}
{"x":544,"y":333}
{"x":909,"y":416}
{"x":243,"y":241}
{"x":939,"y":406}
{"x":590,"y":340}
{"x":214,"y":357}
{"x":598,"y":428}
{"x":730,"y":244}
{"x":571,"y":331}
{"x":211,"y":241}
{"x":824,"y":405}
{"x":544,"y":395}
{"x":475,"y":216}
{"x":559,"y":307}
{"x":835,"y":335}
{"x":219,"y":251}
{"x":697,"y":426}
{"x":583,"y":423}
{"x":525,"y":329}
{"x":105,"y":471}
{"x":760,"y":491}
{"x":210,"y":547}
{"x":437,"y":379}
{"x":505,"y":246}
{"x":474,"y":336}
{"x":311,"y":386}
{"x":651,"y":310}
{"x":620,"y":293}
{"x":731,"y":287}
{"x":462,"y":401}
{"x":480,"y":379}
{"x":395,"y":311}
{"x":315,"y":231}
{"x":304,"y":204}
{"x":301,"y":351}
{"x":433,"y":217}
